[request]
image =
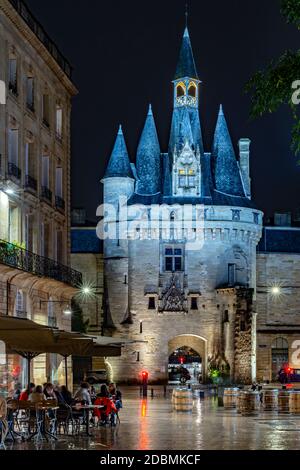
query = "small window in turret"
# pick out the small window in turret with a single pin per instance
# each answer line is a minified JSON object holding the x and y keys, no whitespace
{"x":192,"y":90}
{"x":179,"y":90}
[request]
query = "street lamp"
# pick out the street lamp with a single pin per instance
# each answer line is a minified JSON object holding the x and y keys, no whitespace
{"x":275,"y":290}
{"x":67,"y":311}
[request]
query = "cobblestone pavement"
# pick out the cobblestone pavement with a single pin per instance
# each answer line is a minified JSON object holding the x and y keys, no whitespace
{"x":152,"y":424}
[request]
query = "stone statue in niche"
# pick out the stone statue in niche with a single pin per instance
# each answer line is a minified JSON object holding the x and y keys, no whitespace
{"x":173,"y":299}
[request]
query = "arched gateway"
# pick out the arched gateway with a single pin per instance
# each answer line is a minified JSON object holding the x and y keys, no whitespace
{"x":188,"y":351}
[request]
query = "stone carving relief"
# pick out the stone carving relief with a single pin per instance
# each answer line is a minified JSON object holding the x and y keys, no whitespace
{"x":173,"y":298}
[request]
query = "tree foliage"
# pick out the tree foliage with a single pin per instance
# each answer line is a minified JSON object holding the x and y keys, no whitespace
{"x":272,"y":87}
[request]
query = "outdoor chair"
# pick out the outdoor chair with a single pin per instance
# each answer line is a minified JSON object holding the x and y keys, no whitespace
{"x":63,"y":419}
{"x":3,"y":422}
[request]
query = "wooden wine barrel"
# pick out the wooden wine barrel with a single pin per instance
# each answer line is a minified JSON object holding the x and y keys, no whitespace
{"x":294,"y":401}
{"x":230,"y":398}
{"x":249,"y":403}
{"x":284,"y":401}
{"x":183,"y":399}
{"x":270,"y":400}
{"x":240,"y":399}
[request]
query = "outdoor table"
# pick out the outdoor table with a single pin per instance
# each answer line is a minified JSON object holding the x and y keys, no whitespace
{"x":41,"y":431}
{"x":11,"y":423}
{"x":86,"y":409}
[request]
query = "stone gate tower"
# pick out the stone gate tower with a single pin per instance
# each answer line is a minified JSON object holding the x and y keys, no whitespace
{"x":162,"y":291}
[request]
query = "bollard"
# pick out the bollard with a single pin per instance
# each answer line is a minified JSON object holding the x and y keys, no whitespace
{"x":165,"y":391}
{"x":145,"y":376}
{"x":152,"y":393}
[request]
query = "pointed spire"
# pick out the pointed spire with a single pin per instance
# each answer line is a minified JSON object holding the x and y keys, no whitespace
{"x":186,"y":64}
{"x":227,"y":176}
{"x":185,"y":130}
{"x":119,"y":164}
{"x":148,"y":158}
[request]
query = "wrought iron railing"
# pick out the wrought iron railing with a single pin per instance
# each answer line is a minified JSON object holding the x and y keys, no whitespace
{"x":13,"y":170}
{"x":25,"y":260}
{"x":39,"y":31}
{"x":59,"y":203}
{"x":30,"y":183}
{"x":46,"y":193}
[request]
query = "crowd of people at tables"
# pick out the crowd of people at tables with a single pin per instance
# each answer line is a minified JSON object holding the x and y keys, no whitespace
{"x":110,"y":398}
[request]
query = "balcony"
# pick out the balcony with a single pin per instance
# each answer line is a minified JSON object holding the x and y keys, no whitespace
{"x":13,"y":170}
{"x":46,"y":194}
{"x":59,"y":203}
{"x":41,"y":34}
{"x":18,"y":258}
{"x":30,"y":183}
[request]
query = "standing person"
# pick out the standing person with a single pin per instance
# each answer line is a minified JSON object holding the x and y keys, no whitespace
{"x":83,"y":394}
{"x":25,"y":394}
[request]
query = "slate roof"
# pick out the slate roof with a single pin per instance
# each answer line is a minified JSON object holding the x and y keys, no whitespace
{"x":148,"y":158}
{"x":186,"y":64}
{"x":226,"y":173}
{"x":119,"y":163}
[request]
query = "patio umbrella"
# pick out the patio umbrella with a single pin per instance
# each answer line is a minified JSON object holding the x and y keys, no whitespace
{"x":29,"y":339}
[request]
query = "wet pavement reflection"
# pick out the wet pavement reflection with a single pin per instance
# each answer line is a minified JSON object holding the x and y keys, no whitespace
{"x":151,"y":424}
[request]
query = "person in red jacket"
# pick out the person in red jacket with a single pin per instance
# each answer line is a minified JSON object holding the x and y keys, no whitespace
{"x":109,"y":406}
{"x":25,"y":394}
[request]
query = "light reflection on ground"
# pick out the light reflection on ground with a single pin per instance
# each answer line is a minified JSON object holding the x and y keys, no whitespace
{"x":152,"y":424}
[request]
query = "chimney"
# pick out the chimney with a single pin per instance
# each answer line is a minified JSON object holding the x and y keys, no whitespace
{"x":244,"y":148}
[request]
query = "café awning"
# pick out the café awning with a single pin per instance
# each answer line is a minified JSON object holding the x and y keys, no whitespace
{"x":25,"y":336}
{"x":29,"y":339}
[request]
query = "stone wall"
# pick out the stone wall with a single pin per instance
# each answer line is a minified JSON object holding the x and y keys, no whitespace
{"x":277,"y":315}
{"x":134,"y":272}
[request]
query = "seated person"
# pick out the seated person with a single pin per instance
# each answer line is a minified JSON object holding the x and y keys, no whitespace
{"x":108,"y":404}
{"x":37,"y":395}
{"x":116,"y":395}
{"x":25,"y":394}
{"x":83,"y":395}
{"x":3,"y":422}
{"x":66,"y":395}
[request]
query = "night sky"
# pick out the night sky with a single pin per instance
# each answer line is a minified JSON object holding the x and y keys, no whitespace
{"x":124,"y":55}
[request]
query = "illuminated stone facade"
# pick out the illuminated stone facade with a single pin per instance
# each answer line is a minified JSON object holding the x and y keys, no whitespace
{"x":34,"y":179}
{"x":163,"y":291}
